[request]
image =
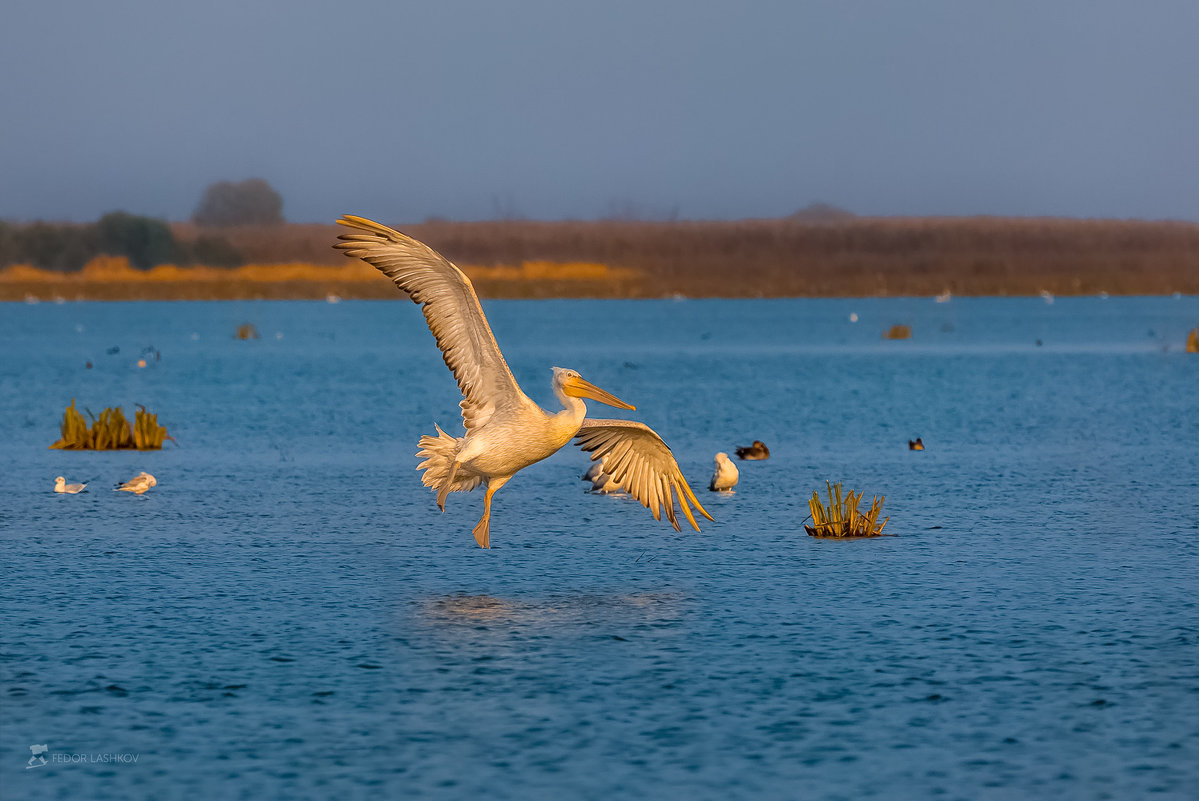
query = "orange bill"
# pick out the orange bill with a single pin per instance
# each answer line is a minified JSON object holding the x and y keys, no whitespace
{"x":580,"y":388}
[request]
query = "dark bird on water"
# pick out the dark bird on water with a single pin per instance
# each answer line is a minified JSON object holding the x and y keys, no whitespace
{"x":917,"y":445}
{"x":754,"y":452}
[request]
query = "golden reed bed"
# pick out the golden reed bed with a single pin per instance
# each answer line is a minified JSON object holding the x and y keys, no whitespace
{"x":112,"y":278}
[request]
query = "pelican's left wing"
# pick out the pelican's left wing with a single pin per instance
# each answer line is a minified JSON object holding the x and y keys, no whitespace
{"x":637,"y":458}
{"x":451,"y":309}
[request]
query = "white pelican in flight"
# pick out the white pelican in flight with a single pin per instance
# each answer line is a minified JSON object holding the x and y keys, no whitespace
{"x":505,"y":430}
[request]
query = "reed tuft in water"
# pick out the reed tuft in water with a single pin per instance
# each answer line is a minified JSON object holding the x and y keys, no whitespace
{"x":898,"y":331}
{"x":110,"y":431}
{"x":841,"y":519}
{"x":1193,"y":341}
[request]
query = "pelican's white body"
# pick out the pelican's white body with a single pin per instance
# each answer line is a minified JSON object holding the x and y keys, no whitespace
{"x":521,"y":434}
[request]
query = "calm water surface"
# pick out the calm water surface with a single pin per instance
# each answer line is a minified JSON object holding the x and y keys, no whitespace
{"x":287,"y":615}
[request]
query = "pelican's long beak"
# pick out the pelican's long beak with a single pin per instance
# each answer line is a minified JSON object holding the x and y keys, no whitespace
{"x":579,"y":388}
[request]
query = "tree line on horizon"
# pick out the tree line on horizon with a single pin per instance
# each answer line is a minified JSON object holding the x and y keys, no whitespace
{"x":146,"y":241}
{"x":819,"y":250}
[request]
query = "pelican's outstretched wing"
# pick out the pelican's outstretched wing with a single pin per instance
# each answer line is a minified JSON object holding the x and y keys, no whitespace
{"x":636,"y":457}
{"x":451,"y":309}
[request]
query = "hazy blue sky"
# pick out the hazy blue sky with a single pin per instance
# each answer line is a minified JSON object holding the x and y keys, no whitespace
{"x":560,"y":110}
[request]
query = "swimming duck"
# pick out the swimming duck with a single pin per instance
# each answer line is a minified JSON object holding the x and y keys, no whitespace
{"x":754,"y":452}
{"x":917,"y":445}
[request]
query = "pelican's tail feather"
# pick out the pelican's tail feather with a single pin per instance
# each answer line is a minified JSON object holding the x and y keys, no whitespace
{"x":438,"y":453}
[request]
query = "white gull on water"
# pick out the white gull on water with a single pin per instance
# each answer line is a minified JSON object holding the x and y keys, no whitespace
{"x":61,"y":485}
{"x":726,"y":475}
{"x":138,"y":484}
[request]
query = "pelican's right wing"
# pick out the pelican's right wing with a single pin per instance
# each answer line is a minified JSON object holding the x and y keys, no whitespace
{"x":637,"y":458}
{"x":451,"y":309}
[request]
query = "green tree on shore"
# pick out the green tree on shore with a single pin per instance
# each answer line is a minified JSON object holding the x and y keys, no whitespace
{"x":144,"y":241}
{"x":250,"y":202}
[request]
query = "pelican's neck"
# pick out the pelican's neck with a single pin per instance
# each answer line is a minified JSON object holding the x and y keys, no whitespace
{"x":573,"y":409}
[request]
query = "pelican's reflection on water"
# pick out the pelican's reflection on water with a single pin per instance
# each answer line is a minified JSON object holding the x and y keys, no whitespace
{"x":627,"y":608}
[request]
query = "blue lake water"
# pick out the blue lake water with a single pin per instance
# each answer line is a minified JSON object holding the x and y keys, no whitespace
{"x":287,"y":614}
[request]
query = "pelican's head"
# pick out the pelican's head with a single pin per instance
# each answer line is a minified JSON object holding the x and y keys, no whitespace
{"x":573,"y":385}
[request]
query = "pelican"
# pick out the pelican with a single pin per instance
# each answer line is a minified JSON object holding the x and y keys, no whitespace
{"x":505,"y":430}
{"x":755,"y":452}
{"x":61,"y":485}
{"x":138,"y":484}
{"x":726,"y":475}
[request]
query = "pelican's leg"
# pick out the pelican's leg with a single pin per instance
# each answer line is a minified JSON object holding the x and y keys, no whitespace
{"x":482,"y":530}
{"x":445,"y":486}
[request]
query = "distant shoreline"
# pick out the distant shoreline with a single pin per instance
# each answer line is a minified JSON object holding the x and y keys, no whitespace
{"x":857,"y":257}
{"x":332,"y":289}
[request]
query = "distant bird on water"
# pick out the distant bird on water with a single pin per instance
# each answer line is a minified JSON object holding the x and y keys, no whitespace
{"x":600,"y":481}
{"x":61,"y":485}
{"x":595,"y":471}
{"x":138,"y":484}
{"x":505,"y":430}
{"x":725,"y":477}
{"x":916,"y":445}
{"x":755,"y":452}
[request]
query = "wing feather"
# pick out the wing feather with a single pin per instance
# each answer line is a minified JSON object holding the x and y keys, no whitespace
{"x":634,"y":455}
{"x":669,"y":501}
{"x":451,"y":309}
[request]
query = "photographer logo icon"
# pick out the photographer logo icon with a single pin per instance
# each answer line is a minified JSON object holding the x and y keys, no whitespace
{"x":37,"y":760}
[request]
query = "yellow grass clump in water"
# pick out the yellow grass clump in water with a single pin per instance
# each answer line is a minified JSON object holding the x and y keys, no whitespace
{"x":1193,"y":341}
{"x":841,"y":518}
{"x":110,"y":431}
{"x":246,"y":331}
{"x":899,"y":332}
